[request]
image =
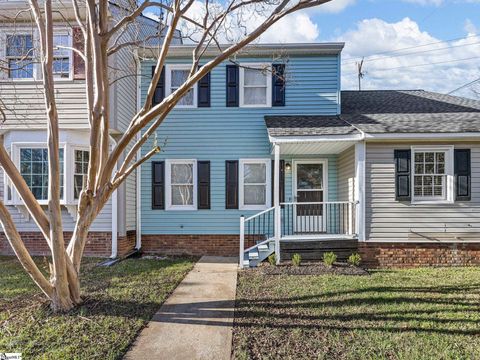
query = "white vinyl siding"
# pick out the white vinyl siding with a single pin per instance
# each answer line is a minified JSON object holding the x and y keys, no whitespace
{"x":390,"y":220}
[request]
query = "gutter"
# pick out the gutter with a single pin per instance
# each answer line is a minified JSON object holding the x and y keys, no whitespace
{"x":138,"y":171}
{"x":114,"y":218}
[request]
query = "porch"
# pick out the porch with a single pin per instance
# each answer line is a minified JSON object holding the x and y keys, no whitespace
{"x":317,"y":202}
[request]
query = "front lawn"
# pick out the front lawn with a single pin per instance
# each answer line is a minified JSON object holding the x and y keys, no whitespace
{"x":392,"y":314}
{"x":119,"y":300}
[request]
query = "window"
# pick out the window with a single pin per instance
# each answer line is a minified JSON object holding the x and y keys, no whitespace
{"x":176,"y":75}
{"x":432,"y":174}
{"x":19,"y":55}
{"x":255,"y":85}
{"x":61,"y":56}
{"x":81,"y":158}
{"x":255,"y":184}
{"x":181,"y":181}
{"x":34,"y":169}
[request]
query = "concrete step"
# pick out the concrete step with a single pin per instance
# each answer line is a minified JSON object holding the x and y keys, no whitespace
{"x":252,"y":254}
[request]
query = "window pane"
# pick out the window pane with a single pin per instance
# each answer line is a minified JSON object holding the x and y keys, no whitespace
{"x":182,"y":174}
{"x":20,"y":69}
{"x":429,"y":157}
{"x":419,"y":169}
{"x":428,"y":168}
{"x":254,"y":173}
{"x":440,"y":157}
{"x":182,"y":194}
{"x":60,"y":41}
{"x":254,"y":194}
{"x":34,"y":169}
{"x":255,"y":96}
{"x":254,"y":77}
{"x":19,"y":45}
{"x":80,"y":172}
{"x":187,"y":99}
{"x":310,"y":176}
{"x":178,"y":78}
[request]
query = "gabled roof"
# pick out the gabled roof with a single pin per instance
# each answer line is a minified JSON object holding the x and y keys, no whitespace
{"x":384,"y":112}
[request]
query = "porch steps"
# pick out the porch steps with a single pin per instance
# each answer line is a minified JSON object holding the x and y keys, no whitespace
{"x":314,"y":250}
{"x":258,"y":253}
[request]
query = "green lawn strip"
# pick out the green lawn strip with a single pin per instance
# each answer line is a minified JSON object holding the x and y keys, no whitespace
{"x":118,"y":302}
{"x":392,"y":314}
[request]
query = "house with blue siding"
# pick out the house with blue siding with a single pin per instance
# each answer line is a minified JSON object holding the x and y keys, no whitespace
{"x":267,"y":155}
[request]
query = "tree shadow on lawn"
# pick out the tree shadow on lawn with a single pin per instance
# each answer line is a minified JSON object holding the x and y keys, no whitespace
{"x":452,"y":315}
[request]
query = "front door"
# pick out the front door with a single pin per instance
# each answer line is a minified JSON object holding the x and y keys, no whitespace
{"x":310,"y":179}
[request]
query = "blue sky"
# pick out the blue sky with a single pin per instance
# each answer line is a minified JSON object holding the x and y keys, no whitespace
{"x":425,"y":44}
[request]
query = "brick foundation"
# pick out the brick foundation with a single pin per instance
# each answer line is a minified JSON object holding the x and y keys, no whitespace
{"x":99,"y":244}
{"x":126,"y":244}
{"x":403,"y":255}
{"x":219,"y":245}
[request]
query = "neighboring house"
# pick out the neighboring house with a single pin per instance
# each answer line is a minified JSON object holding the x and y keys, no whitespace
{"x":24,"y":129}
{"x":262,"y":163}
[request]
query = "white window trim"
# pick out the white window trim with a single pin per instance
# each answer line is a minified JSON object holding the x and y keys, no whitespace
{"x":16,"y":147}
{"x":242,"y":84}
{"x":168,"y":184}
{"x":168,"y":83}
{"x":449,"y":172}
{"x":34,"y":65}
{"x":268,"y":195}
{"x":70,"y":54}
{"x":70,"y":179}
{"x":68,"y":158}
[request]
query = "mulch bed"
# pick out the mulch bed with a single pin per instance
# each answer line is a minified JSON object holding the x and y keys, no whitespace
{"x":311,"y":269}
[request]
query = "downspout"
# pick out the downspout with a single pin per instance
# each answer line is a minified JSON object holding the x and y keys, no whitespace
{"x":138,"y":172}
{"x":114,"y":218}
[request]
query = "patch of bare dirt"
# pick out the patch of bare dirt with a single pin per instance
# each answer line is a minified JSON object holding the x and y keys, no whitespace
{"x":312,"y":269}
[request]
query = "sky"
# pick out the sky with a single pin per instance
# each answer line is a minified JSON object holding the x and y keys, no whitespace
{"x":406,"y":44}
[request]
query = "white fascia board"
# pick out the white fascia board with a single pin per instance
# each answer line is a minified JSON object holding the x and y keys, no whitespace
{"x":423,"y":136}
{"x":314,"y":139}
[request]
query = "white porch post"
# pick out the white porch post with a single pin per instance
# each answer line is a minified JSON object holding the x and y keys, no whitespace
{"x":359,"y":194}
{"x":276,"y":201}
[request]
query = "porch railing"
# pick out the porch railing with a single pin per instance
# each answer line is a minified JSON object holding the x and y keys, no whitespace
{"x":297,"y":219}
{"x":256,"y":230}
{"x":314,"y":218}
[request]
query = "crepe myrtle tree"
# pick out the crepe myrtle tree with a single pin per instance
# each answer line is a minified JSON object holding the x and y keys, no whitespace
{"x":217,"y":22}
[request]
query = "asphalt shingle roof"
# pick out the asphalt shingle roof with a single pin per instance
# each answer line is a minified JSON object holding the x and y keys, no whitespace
{"x":386,"y":111}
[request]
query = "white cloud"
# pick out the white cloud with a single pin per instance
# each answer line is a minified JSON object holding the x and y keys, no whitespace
{"x":470,"y":27}
{"x":425,"y":2}
{"x":390,"y":71}
{"x":335,"y":6}
{"x":297,"y":27}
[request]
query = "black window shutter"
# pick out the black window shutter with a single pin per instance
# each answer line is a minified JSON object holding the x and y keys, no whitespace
{"x":203,"y":178}
{"x":402,"y":175}
{"x":231,"y":184}
{"x":282,"y":180}
{"x":158,"y":185}
{"x":232,"y":85}
{"x":278,"y":85}
{"x":159,"y":94}
{"x":463,"y":174}
{"x":203,"y":93}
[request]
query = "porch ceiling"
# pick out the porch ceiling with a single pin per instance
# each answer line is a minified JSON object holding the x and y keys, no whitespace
{"x":312,"y":148}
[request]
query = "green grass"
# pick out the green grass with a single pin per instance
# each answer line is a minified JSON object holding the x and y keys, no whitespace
{"x":118,"y":301}
{"x":401,"y":314}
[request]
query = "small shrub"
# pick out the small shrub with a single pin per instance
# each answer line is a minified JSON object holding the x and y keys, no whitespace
{"x":272,"y":260}
{"x":354,"y":259}
{"x":329,"y":258}
{"x":296,"y":259}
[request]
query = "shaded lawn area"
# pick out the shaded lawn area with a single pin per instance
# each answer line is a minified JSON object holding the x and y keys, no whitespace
{"x":392,"y":314}
{"x":118,"y":301}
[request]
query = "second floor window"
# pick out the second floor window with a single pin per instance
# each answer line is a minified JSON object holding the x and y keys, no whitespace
{"x":19,"y":53}
{"x":176,"y":75}
{"x":61,"y":56}
{"x":255,"y":86}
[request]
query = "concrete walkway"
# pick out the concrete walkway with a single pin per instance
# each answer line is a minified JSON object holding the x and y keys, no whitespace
{"x":196,"y":321}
